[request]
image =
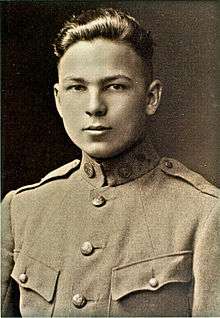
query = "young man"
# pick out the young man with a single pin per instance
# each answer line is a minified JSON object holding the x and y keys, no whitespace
{"x":123,"y":232}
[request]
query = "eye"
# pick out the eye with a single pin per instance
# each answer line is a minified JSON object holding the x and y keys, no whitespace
{"x":77,"y":87}
{"x":116,"y":87}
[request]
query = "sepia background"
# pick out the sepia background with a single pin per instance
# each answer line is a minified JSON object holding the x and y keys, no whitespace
{"x":186,"y":126}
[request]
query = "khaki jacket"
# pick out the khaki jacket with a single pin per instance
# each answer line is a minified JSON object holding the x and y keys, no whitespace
{"x":134,"y":236}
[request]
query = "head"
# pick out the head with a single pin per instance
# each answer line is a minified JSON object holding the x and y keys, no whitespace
{"x":105,"y":90}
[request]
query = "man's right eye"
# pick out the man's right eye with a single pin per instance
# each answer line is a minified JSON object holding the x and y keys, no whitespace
{"x":77,"y":87}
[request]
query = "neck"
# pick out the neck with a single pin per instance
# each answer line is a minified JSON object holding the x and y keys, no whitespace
{"x":129,"y":165}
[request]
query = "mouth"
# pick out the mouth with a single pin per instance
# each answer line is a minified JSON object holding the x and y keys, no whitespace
{"x":97,"y":128}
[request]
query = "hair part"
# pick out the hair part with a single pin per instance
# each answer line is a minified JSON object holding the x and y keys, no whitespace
{"x":108,"y":24}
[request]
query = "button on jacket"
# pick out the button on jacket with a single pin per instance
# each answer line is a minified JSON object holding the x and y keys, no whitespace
{"x":131,"y":236}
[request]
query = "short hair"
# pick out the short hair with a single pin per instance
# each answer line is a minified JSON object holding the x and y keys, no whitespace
{"x":108,"y":24}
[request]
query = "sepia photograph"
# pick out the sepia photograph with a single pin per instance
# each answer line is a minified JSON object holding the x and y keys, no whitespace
{"x":110,"y":158}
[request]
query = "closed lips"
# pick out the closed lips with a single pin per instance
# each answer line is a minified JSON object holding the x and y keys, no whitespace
{"x":97,"y":128}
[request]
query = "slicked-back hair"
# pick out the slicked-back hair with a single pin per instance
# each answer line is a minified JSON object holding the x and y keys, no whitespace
{"x":108,"y":24}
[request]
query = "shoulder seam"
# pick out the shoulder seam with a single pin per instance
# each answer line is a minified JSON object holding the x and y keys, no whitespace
{"x":173,"y":168}
{"x":59,"y":173}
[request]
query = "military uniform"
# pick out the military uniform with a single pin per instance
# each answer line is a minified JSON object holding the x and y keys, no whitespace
{"x":131,"y":236}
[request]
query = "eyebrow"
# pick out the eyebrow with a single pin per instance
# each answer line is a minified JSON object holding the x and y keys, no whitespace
{"x":103,"y":81}
{"x":75,"y":79}
{"x":115,"y":77}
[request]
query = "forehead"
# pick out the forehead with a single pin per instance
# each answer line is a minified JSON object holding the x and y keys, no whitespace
{"x":96,"y":59}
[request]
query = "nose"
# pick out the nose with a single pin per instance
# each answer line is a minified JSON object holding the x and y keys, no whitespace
{"x":96,"y":105}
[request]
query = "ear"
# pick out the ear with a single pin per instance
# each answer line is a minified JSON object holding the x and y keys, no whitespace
{"x":57,"y":98}
{"x":154,"y":95}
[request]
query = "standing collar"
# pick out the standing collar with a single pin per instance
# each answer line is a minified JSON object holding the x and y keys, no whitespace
{"x":123,"y":168}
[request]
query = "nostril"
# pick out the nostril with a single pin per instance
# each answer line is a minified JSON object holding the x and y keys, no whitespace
{"x":97,"y":113}
{"x":88,"y":113}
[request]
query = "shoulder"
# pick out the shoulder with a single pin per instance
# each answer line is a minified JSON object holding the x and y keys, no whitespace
{"x":191,"y":180}
{"x":36,"y":201}
{"x":33,"y":198}
{"x":60,"y":173}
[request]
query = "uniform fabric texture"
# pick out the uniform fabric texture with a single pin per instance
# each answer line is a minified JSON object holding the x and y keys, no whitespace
{"x":131,"y":236}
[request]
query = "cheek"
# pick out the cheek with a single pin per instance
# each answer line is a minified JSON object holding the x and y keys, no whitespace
{"x":132,"y":112}
{"x":71,"y":109}
{"x":69,"y":99}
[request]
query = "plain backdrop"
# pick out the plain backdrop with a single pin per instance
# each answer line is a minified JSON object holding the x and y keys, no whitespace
{"x":186,"y":126}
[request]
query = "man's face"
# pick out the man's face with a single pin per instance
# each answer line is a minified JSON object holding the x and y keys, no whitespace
{"x":102,"y":96}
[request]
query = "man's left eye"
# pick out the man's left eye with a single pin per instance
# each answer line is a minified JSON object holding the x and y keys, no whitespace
{"x":116,"y":87}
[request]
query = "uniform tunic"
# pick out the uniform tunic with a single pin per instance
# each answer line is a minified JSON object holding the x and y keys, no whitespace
{"x":131,"y":236}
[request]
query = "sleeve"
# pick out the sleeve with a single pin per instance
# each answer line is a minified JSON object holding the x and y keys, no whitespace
{"x":9,"y":289}
{"x":206,"y":267}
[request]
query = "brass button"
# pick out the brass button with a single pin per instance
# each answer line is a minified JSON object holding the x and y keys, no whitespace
{"x":168,"y":164}
{"x":23,"y":278}
{"x":99,"y":201}
{"x":89,"y":170}
{"x":87,"y":248}
{"x":79,"y":301}
{"x":125,"y":172}
{"x":153,"y":282}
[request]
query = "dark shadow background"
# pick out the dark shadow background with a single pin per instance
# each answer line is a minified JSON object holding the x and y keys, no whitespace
{"x":186,"y":126}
